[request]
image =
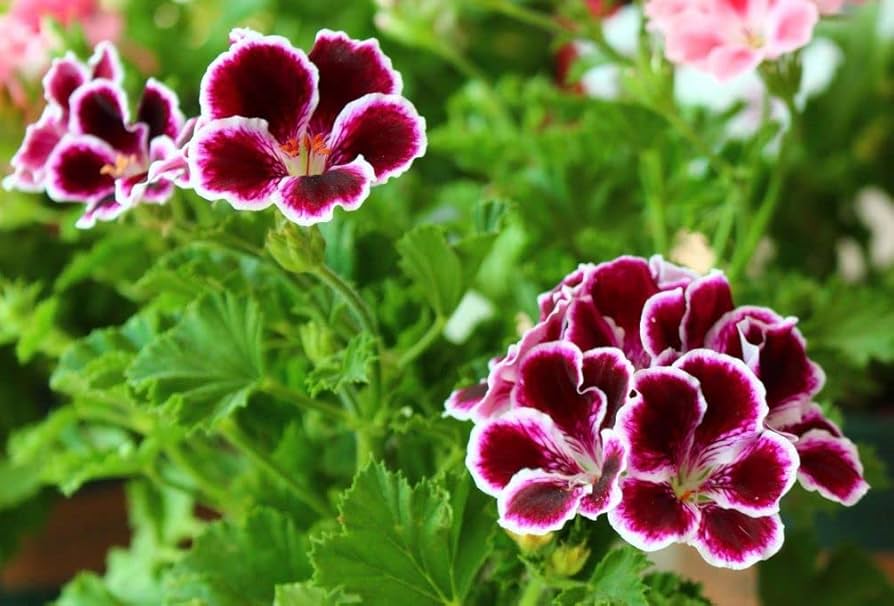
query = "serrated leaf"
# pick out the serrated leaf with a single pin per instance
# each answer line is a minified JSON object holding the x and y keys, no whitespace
{"x":402,"y":544}
{"x":240,"y":564}
{"x":668,"y":589}
{"x":306,"y":594}
{"x":617,"y":580}
{"x":433,"y":266}
{"x":351,"y":365}
{"x":87,"y":589}
{"x":207,"y":365}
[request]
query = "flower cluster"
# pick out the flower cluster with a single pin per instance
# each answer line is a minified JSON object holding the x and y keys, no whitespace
{"x":729,"y":37}
{"x":306,"y":132}
{"x":85,"y":148}
{"x":643,"y":392}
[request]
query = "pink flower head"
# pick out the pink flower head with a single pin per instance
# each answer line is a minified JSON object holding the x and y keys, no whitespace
{"x":730,"y":37}
{"x":304,"y":132}
{"x":554,"y":454}
{"x":98,"y":24}
{"x":85,"y":148}
{"x":775,"y":350}
{"x":701,"y":468}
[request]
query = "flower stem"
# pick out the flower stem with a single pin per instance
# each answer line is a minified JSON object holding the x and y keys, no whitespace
{"x":281,"y":392}
{"x":532,"y":591}
{"x":434,"y":331}
{"x":237,"y":437}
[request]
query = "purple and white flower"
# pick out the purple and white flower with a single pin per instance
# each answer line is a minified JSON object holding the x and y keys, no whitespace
{"x":306,"y":132}
{"x":702,"y":469}
{"x":553,"y":455}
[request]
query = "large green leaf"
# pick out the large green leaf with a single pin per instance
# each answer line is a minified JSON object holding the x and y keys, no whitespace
{"x":433,"y":266}
{"x":403,"y":544}
{"x":208,"y":364}
{"x":616,"y":581}
{"x":240,"y":564}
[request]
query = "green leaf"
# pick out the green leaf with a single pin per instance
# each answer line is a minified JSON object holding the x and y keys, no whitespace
{"x":87,"y":589}
{"x":403,"y":544}
{"x":433,"y":266}
{"x":240,"y":564}
{"x":351,"y":365}
{"x":668,"y":589}
{"x":617,"y":580}
{"x":207,"y":365}
{"x":306,"y":594}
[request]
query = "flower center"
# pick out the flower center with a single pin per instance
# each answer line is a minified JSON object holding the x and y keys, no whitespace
{"x":754,"y":39}
{"x":121,"y":166}
{"x":305,"y":155}
{"x":687,"y":484}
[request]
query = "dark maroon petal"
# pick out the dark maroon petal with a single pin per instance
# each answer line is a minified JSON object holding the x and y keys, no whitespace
{"x":312,"y":199}
{"x":520,"y":439}
{"x":348,"y":70}
{"x":608,"y":369}
{"x":461,"y":402}
{"x":99,"y":108}
{"x":659,"y":422}
{"x":650,"y":516}
{"x":587,"y":328}
{"x":504,"y":372}
{"x":662,"y":322}
{"x":730,"y":539}
{"x":707,"y":300}
{"x":75,"y":171}
{"x":668,"y":276}
{"x":105,"y":62}
{"x":535,"y":502}
{"x":549,"y":380}
{"x":29,"y":162}
{"x":620,"y":289}
{"x":385,"y":129}
{"x":262,"y":77}
{"x":160,"y":109}
{"x":563,"y":290}
{"x":831,"y":466}
{"x":735,"y":400}
{"x":107,"y":209}
{"x":236,"y":159}
{"x":788,"y":374}
{"x":810,"y":417}
{"x":606,"y":493}
{"x":761,"y":474}
{"x":63,"y":78}
{"x":726,"y":337}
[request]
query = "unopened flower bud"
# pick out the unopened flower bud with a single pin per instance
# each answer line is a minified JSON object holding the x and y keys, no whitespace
{"x":568,"y":560}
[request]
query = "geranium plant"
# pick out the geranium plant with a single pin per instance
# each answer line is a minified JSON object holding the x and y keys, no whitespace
{"x":521,"y":314}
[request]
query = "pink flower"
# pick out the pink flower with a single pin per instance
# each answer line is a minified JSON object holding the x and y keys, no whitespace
{"x":24,"y":54}
{"x":98,"y":24}
{"x":701,"y":468}
{"x":730,"y":37}
{"x":554,"y":454}
{"x":85,"y":148}
{"x":304,"y":132}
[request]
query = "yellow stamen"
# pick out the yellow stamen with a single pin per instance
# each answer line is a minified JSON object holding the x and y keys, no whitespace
{"x":122,"y":163}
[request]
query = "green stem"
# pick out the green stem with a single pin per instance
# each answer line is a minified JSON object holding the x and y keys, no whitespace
{"x":235,"y":435}
{"x":653,"y":185}
{"x":418,"y":348}
{"x":532,"y":591}
{"x":770,"y":202}
{"x":217,"y":498}
{"x":281,"y":392}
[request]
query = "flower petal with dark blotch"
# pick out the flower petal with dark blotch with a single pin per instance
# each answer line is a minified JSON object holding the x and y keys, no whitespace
{"x":30,"y":161}
{"x":707,"y":300}
{"x":606,"y":493}
{"x":521,"y":439}
{"x":385,"y":129}
{"x":64,"y":77}
{"x":262,"y":77}
{"x":461,"y":401}
{"x":348,"y":70}
{"x":236,"y":159}
{"x":831,"y":466}
{"x":730,"y":539}
{"x":537,"y":502}
{"x":312,"y":199}
{"x":75,"y":170}
{"x":106,"y":209}
{"x":736,"y":405}
{"x":764,"y":470}
{"x":651,"y":517}
{"x":608,"y":369}
{"x":99,"y":108}
{"x":659,"y":421}
{"x":159,"y":108}
{"x":106,"y":63}
{"x":661,"y":324}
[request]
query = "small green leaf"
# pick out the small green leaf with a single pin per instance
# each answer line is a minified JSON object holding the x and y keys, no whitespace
{"x":207,"y":365}
{"x":433,"y":266}
{"x":351,"y":365}
{"x":403,"y":544}
{"x":87,"y":589}
{"x":617,"y":580}
{"x":240,"y":564}
{"x":306,"y":594}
